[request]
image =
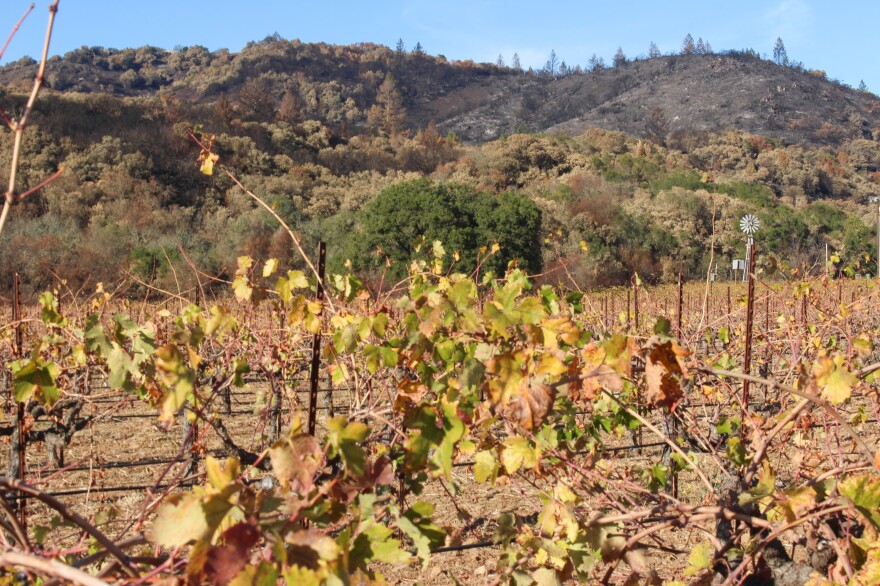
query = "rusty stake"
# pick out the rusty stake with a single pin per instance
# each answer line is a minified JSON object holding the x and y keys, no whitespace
{"x":316,"y":343}
{"x":750,"y":315}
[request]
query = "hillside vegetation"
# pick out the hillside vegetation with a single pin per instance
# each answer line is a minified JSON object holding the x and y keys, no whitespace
{"x":319,"y":131}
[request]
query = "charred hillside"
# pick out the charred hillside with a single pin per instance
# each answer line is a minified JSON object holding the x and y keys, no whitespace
{"x":666,"y":97}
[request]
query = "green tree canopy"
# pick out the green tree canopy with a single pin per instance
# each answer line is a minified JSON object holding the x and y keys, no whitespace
{"x":464,"y":220}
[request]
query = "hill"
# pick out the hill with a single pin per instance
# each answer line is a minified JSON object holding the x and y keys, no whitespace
{"x":672,"y":95}
{"x":645,"y":167}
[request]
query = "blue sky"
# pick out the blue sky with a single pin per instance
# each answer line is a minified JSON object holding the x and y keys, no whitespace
{"x":838,"y":37}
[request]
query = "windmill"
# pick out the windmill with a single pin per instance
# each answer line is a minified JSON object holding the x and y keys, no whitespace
{"x":749,"y":224}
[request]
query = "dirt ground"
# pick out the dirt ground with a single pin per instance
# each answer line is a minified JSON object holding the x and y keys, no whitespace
{"x":129,"y":432}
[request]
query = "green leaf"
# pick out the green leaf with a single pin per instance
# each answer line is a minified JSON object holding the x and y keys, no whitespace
{"x":121,"y":367}
{"x":765,"y":487}
{"x":576,"y":300}
{"x":453,"y":431}
{"x":380,"y":321}
{"x":723,"y":427}
{"x":35,"y":378}
{"x":95,"y":337}
{"x":663,"y":327}
{"x":49,"y":310}
{"x":584,"y":558}
{"x":462,"y":294}
{"x":375,"y":544}
{"x":344,"y":437}
{"x":471,"y":374}
{"x":531,"y":310}
{"x":346,"y":339}
{"x":297,"y":280}
{"x":736,"y":452}
{"x":299,"y":576}
{"x":378,"y":356}
{"x":864,"y":492}
{"x":417,"y":524}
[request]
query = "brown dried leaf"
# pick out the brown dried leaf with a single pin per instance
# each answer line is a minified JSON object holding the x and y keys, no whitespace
{"x":530,"y":404}
{"x":664,"y":368}
{"x":296,"y":460}
{"x":376,"y":473}
{"x":600,"y":371}
{"x":409,"y":393}
{"x":225,"y":562}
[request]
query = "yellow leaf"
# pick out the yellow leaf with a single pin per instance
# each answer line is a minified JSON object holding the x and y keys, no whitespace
{"x":221,"y":474}
{"x":244,"y":263}
{"x":180,"y":520}
{"x":518,"y":453}
{"x":270,"y":267}
{"x":208,"y":160}
{"x":564,"y":493}
{"x":242,"y":289}
{"x":551,"y":365}
{"x":834,"y":379}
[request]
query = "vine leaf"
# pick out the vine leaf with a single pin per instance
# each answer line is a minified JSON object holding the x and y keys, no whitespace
{"x":181,"y":519}
{"x":36,"y":378}
{"x":864,"y":492}
{"x":699,"y":560}
{"x":208,"y":160}
{"x":225,"y":562}
{"x":602,"y":369}
{"x":376,"y":544}
{"x":559,"y":328}
{"x":834,"y":379}
{"x":794,"y":503}
{"x":345,"y":437}
{"x":520,"y":398}
{"x":417,"y":524}
{"x":664,"y":367}
{"x":530,"y":404}
{"x":241,"y":285}
{"x":765,"y":487}
{"x":295,"y":461}
{"x":263,"y":574}
{"x":176,"y":376}
{"x":546,"y":577}
{"x":485,"y":467}
{"x":518,"y":453}
{"x":270,"y":267}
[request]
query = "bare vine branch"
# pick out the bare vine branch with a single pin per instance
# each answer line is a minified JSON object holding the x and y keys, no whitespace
{"x":19,"y":125}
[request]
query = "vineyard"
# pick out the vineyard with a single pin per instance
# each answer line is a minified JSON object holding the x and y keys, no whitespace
{"x":442,"y":428}
{"x":298,"y":427}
